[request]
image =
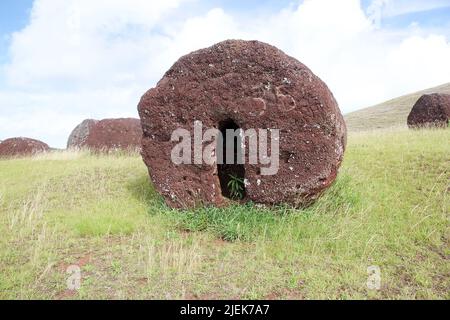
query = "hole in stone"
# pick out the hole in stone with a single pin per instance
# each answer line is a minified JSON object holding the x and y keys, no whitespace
{"x":286,"y":156}
{"x":231,"y":176}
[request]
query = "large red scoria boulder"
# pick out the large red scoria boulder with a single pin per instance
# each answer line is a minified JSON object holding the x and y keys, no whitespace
{"x":247,"y":85}
{"x":431,"y":110}
{"x":16,"y":147}
{"x":113,"y":134}
{"x":80,"y":133}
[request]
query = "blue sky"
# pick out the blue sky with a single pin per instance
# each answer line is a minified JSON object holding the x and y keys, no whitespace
{"x":80,"y":59}
{"x":14,"y":15}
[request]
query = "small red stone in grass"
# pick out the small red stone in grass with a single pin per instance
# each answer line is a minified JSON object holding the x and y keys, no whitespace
{"x":107,"y":135}
{"x":249,"y":85}
{"x":22,"y":147}
{"x":431,"y":110}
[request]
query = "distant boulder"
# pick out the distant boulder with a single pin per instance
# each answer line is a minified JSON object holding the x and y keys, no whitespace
{"x":431,"y":110}
{"x":16,"y":147}
{"x":109,"y":134}
{"x":80,"y":133}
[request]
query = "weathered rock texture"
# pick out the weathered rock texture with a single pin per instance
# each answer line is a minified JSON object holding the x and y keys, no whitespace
{"x":253,"y":85}
{"x":431,"y":110}
{"x":16,"y":147}
{"x":113,"y":134}
{"x":79,"y":135}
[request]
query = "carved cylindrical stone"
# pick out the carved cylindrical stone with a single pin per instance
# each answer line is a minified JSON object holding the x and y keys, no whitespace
{"x":14,"y":147}
{"x":431,"y":110}
{"x":246,"y":85}
{"x":79,"y":135}
{"x":107,"y":135}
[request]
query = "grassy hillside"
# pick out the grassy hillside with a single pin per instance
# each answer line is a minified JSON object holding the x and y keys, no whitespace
{"x":389,"y":208}
{"x":389,"y":114}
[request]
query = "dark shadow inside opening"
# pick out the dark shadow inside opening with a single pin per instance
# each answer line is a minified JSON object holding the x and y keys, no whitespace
{"x":231,"y":176}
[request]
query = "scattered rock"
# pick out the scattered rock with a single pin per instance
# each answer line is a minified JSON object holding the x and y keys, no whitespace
{"x":431,"y":110}
{"x":16,"y":147}
{"x":110,"y":135}
{"x":248,"y":85}
{"x":79,"y":135}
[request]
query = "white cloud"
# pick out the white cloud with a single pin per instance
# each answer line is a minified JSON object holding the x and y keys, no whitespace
{"x":82,"y":59}
{"x":204,"y":31}
{"x":84,"y":42}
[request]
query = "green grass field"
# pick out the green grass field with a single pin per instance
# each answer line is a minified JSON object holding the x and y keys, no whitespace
{"x":389,"y":208}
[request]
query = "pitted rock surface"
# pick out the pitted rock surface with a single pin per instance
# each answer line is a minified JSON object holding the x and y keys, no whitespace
{"x":431,"y":110}
{"x":114,"y":134}
{"x":256,"y":86}
{"x":80,"y":133}
{"x":16,"y":147}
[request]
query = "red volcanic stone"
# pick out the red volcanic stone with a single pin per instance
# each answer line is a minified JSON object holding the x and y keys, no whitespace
{"x":16,"y":147}
{"x":114,"y":134}
{"x":79,"y":135}
{"x":247,"y":85}
{"x":431,"y":110}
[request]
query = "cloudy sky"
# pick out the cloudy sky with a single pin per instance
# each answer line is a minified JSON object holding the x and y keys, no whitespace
{"x":64,"y":61}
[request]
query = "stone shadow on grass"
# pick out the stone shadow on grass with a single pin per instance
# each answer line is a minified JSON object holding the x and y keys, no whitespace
{"x":143,"y":190}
